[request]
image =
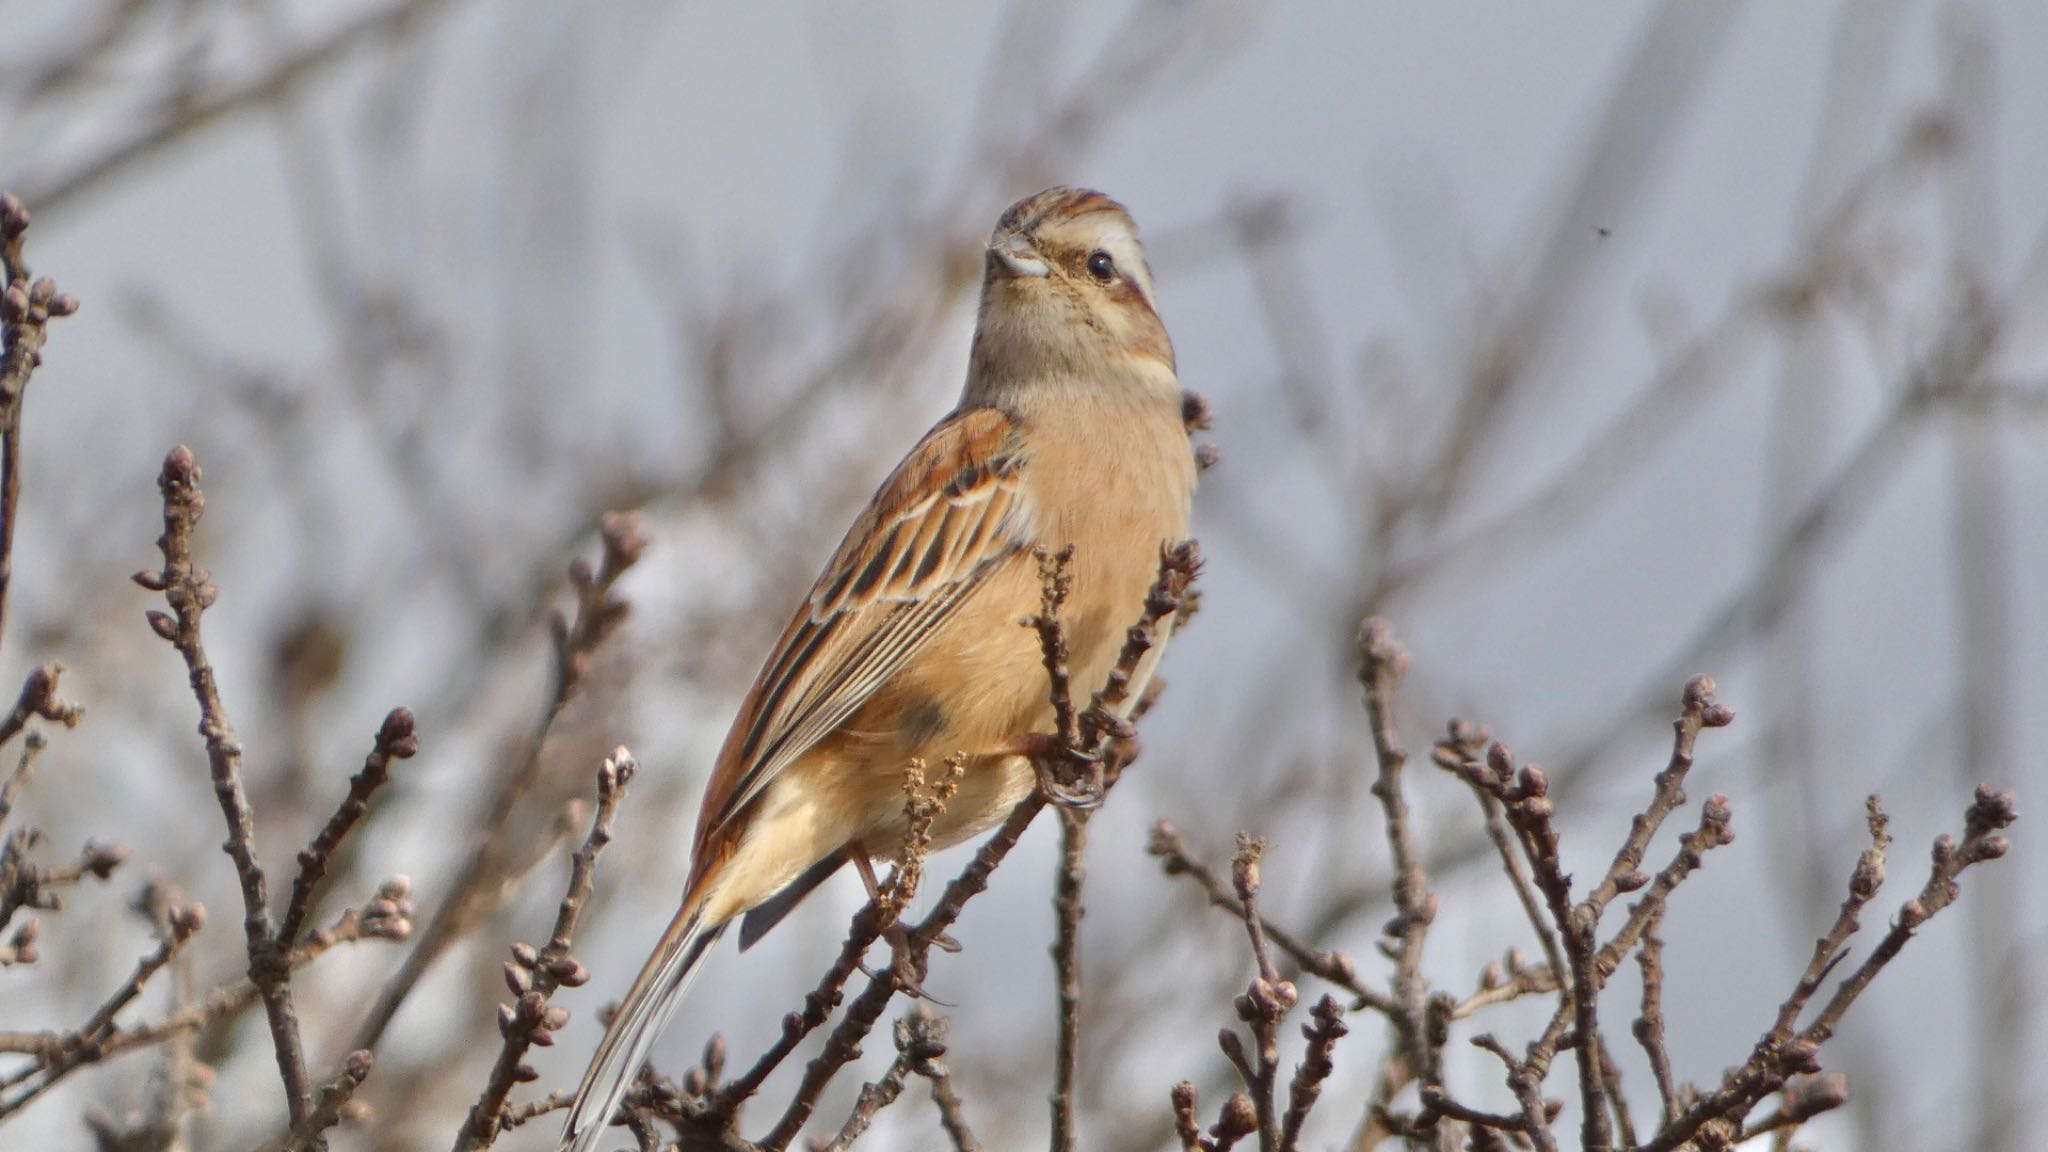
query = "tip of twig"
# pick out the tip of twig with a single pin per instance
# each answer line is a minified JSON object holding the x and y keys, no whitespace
{"x":398,"y":737}
{"x":180,"y":464}
{"x":179,"y":480}
{"x":1699,"y":701}
{"x":1991,"y":809}
{"x":1379,"y":653}
{"x":1244,"y":868}
{"x":625,"y":539}
{"x":617,"y":770}
{"x":187,"y":920}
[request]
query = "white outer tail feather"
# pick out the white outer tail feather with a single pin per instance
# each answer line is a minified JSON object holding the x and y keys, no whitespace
{"x":643,"y":1014}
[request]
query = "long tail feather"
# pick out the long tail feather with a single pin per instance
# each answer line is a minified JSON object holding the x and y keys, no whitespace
{"x":647,"y":1007}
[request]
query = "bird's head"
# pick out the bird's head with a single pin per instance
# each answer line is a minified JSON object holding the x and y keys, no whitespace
{"x":1067,"y":294}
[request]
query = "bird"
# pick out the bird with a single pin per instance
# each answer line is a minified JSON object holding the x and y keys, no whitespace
{"x":1069,"y":432}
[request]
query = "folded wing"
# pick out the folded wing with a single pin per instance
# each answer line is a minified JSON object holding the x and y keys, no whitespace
{"x":950,"y":514}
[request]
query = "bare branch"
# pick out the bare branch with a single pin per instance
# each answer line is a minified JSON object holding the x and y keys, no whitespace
{"x":1381,"y":665}
{"x":920,"y":1038}
{"x":38,"y":699}
{"x":183,"y":113}
{"x":1782,"y":1054}
{"x":598,"y":615}
{"x":26,"y":308}
{"x":1323,"y":1033}
{"x":534,"y":976}
{"x":1177,"y":859}
{"x":332,"y":1105}
{"x":396,"y":740}
{"x":189,"y":593}
{"x":60,"y":1055}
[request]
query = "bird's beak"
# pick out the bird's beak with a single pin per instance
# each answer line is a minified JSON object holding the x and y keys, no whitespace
{"x":1014,"y":254}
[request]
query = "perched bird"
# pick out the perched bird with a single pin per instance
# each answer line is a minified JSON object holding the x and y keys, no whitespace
{"x":1069,"y":431}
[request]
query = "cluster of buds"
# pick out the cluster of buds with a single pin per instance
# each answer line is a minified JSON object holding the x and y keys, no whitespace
{"x":532,"y":976}
{"x":547,"y":970}
{"x":185,"y":921}
{"x":1699,"y":701}
{"x":1265,"y":1000}
{"x":1717,"y":828}
{"x":624,"y":538}
{"x":25,"y":303}
{"x":1991,"y":810}
{"x":703,"y":1079}
{"x":388,"y":915}
{"x":99,"y":860}
{"x":1515,"y":970}
{"x":36,"y":304}
{"x":39,"y":697}
{"x":1238,"y":1119}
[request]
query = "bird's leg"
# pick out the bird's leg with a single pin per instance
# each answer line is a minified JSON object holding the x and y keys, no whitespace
{"x":896,"y":933}
{"x":1048,"y":754}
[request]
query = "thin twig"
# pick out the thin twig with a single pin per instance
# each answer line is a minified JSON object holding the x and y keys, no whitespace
{"x":38,"y":699}
{"x":842,"y":1046}
{"x":331,"y":1105}
{"x":388,"y":917}
{"x":1066,"y":953}
{"x":1056,"y":579}
{"x":819,"y":1004}
{"x":396,"y":740}
{"x":1649,"y":1027}
{"x":952,"y":1113}
{"x":183,"y":113}
{"x":1716,"y":828}
{"x":1530,"y":811}
{"x":598,"y":615}
{"x":189,"y":592}
{"x":1698,"y":710}
{"x":923,"y":803}
{"x":1782,"y":1053}
{"x":534,"y":976}
{"x":1265,"y":1003}
{"x":84,"y":1045}
{"x":1177,"y":859}
{"x":1462,"y":753}
{"x":1327,"y":1027}
{"x":920,"y":1038}
{"x":1526,"y":1083}
{"x":26,"y":308}
{"x":1381,"y":665}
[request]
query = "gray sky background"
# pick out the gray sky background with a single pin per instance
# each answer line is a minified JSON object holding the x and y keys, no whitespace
{"x":552,"y":179}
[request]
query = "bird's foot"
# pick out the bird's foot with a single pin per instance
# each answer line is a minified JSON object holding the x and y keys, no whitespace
{"x":1068,"y":776}
{"x":904,"y":967}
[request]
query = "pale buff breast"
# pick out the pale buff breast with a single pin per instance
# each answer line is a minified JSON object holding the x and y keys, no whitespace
{"x":978,"y":685}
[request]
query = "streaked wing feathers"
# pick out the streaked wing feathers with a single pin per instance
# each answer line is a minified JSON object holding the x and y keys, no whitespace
{"x":949,"y":513}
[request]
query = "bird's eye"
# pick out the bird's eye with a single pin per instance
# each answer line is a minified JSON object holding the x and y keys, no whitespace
{"x":1101,"y":267}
